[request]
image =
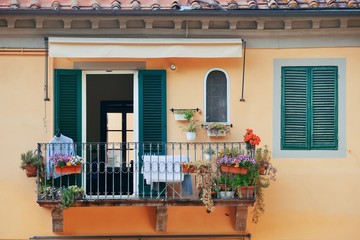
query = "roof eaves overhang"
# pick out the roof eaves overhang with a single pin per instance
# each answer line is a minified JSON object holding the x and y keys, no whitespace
{"x":281,"y":13}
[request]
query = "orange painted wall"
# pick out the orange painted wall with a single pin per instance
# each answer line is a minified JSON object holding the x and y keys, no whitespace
{"x":313,"y":198}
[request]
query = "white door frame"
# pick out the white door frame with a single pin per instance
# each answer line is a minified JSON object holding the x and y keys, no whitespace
{"x":136,"y":118}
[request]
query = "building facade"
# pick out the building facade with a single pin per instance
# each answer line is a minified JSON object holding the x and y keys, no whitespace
{"x":287,"y":70}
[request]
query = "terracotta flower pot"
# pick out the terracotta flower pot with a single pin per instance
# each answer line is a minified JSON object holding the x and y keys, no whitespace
{"x":188,"y":168}
{"x":247,"y":192}
{"x":30,"y":170}
{"x":231,"y":169}
{"x":262,"y":170}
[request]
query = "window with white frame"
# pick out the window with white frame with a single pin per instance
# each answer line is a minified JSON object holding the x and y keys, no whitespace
{"x":216,"y":96}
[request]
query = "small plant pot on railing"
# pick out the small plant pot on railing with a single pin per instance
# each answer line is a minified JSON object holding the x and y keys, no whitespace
{"x":30,"y":170}
{"x":68,"y":169}
{"x":262,"y":170}
{"x":231,"y":169}
{"x":187,"y":168}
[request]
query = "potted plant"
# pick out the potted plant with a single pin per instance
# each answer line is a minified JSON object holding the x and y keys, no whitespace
{"x":209,"y":152}
{"x":226,"y":186}
{"x":190,"y":129}
{"x":263,"y":157}
{"x":245,"y":184}
{"x":188,"y":167}
{"x":239,"y":164}
{"x":183,"y":114}
{"x":49,"y":193}
{"x":65,"y":163}
{"x":251,"y":139}
{"x":216,"y":129}
{"x":30,"y":163}
{"x":69,"y":195}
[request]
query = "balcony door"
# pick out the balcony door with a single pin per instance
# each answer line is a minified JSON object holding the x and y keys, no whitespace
{"x":117,"y":129}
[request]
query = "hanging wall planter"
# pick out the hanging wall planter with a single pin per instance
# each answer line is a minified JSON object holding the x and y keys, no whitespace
{"x":180,"y":117}
{"x":184,"y":114}
{"x":190,"y":136}
{"x":216,"y":129}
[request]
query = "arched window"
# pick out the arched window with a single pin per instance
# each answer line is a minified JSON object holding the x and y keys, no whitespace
{"x":216,"y":97}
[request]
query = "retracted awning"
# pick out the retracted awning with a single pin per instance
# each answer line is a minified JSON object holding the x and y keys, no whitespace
{"x":144,"y":48}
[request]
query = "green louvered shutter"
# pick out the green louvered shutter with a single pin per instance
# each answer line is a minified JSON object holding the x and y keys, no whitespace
{"x":295,"y":125}
{"x":67,"y":113}
{"x":67,"y":100}
{"x":309,"y":117}
{"x":324,"y":108}
{"x":152,"y":106}
{"x":152,"y":121}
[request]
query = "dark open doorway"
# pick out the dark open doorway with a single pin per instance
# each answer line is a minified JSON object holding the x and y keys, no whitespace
{"x":110,"y":123}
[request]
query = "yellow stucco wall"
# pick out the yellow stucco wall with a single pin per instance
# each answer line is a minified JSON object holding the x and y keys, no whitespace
{"x":312,"y":198}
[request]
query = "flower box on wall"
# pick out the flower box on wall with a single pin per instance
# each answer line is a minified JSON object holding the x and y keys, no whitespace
{"x":180,"y":117}
{"x":215,"y":129}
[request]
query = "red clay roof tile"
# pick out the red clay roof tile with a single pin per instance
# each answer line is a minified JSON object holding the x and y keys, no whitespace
{"x":173,"y":4}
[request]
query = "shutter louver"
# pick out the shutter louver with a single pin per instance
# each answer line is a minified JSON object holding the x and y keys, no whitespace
{"x":324,"y":104}
{"x":294,"y":109}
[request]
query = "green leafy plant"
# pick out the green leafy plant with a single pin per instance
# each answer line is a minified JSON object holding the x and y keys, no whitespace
{"x":69,"y":195}
{"x":209,"y":151}
{"x":191,"y":126}
{"x":29,"y":158}
{"x":229,"y":152}
{"x":49,"y":193}
{"x":188,"y":113}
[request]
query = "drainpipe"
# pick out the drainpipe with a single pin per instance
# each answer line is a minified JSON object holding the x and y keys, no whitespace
{"x":46,"y":86}
{"x":242,"y":99}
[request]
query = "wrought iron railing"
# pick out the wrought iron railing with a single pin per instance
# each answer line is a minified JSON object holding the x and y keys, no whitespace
{"x":135,"y":171}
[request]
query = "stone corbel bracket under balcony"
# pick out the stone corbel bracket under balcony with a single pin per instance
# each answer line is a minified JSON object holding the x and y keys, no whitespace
{"x":240,"y":208}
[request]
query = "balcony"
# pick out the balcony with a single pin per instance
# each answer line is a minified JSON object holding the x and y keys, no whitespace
{"x":143,"y":174}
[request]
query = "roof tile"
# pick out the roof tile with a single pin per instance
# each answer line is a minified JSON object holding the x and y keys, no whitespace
{"x":173,"y":4}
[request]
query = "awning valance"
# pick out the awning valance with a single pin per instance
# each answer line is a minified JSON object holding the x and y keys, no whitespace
{"x":144,"y":48}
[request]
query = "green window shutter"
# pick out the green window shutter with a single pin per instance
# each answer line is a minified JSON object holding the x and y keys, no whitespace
{"x":324,"y":108}
{"x":67,"y":100}
{"x":295,"y":125}
{"x":152,"y":106}
{"x":152,"y":120}
{"x":67,"y":113}
{"x":309,"y":118}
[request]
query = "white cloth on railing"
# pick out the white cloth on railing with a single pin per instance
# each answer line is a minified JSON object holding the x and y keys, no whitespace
{"x":164,"y":168}
{"x":63,"y":145}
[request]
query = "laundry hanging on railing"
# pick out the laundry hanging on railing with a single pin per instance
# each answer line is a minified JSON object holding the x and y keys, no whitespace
{"x":58,"y":144}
